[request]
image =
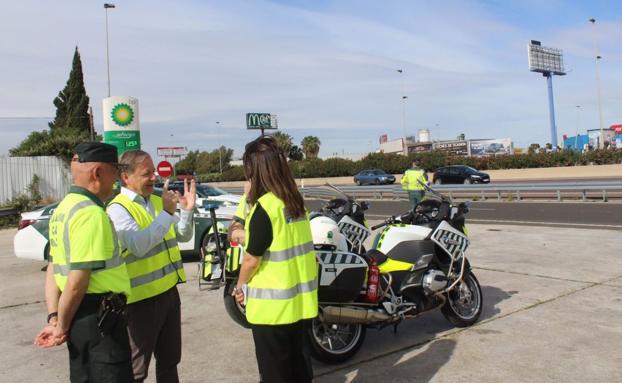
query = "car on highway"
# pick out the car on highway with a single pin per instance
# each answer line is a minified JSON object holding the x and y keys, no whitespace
{"x":373,"y":177}
{"x":31,"y":240}
{"x":459,"y":174}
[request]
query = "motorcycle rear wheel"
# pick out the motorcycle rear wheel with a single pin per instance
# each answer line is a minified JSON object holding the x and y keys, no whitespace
{"x":236,"y":311}
{"x":335,"y":343}
{"x":464,"y":303}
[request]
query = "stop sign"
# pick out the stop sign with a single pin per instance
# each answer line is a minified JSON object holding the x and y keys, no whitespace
{"x":165,"y":169}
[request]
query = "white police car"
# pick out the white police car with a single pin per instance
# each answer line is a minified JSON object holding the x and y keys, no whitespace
{"x":31,"y":240}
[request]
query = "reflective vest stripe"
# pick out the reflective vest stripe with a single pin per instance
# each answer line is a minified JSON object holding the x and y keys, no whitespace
{"x":109,"y":264}
{"x":72,"y":212}
{"x":156,"y":274}
{"x":259,"y":293}
{"x":160,"y":247}
{"x":287,"y":254}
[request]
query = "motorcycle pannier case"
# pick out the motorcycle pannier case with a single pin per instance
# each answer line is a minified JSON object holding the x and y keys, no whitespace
{"x":341,"y":276}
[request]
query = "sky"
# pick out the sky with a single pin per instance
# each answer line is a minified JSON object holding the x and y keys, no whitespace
{"x":325,"y":68}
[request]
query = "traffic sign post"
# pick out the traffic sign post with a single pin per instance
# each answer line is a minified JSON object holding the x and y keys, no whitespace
{"x":165,"y":169}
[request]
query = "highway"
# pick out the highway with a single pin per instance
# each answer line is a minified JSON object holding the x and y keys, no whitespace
{"x":588,"y":215}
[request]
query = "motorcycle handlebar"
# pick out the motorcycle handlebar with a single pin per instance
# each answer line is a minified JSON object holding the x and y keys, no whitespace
{"x":378,"y":226}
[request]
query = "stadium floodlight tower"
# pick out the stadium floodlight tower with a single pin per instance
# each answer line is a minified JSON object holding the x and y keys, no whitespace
{"x":549,"y":62}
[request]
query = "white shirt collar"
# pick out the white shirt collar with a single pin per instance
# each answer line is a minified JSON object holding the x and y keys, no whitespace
{"x":133,"y":196}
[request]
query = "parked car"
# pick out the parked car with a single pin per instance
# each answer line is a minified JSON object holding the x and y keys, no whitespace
{"x":208,"y":192}
{"x":31,"y":240}
{"x":373,"y":177}
{"x":459,"y":174}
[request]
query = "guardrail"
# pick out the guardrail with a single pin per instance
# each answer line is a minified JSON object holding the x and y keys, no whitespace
{"x":584,"y":191}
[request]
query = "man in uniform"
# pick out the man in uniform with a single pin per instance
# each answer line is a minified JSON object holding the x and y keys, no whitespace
{"x":411,"y":183}
{"x":87,"y":281}
{"x":146,"y":225}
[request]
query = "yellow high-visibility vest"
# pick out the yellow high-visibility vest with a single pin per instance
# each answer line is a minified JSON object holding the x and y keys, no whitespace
{"x":83,"y":238}
{"x":160,"y":268}
{"x":283,"y":290}
{"x":410,"y":178}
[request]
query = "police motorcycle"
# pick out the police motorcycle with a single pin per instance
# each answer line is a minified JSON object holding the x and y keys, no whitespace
{"x":417,"y":263}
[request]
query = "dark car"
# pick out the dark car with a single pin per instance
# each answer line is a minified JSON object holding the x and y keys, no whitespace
{"x":373,"y":177}
{"x":460,"y":174}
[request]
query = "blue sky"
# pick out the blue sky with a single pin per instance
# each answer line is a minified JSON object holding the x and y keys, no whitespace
{"x":326,"y":68}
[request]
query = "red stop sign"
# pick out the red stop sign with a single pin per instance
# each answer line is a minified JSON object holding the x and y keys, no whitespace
{"x":165,"y":169}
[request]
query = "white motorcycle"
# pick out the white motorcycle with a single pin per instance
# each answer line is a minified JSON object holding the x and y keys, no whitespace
{"x":417,"y":263}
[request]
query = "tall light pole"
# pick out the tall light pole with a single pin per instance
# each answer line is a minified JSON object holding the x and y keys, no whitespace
{"x":106,"y":7}
{"x":601,"y":141}
{"x":219,"y":146}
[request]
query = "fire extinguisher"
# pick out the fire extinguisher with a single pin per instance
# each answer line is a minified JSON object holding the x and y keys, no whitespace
{"x":373,"y":277}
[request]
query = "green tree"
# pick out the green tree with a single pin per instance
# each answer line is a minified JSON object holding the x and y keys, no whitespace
{"x":284,"y":141}
{"x":71,"y":124}
{"x":72,"y":103}
{"x":205,"y":162}
{"x":311,"y":146}
{"x":295,"y":153}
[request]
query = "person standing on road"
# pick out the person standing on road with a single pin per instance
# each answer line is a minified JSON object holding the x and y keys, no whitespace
{"x":87,"y":273}
{"x":279,"y":270}
{"x":148,"y":230}
{"x":411,"y":183}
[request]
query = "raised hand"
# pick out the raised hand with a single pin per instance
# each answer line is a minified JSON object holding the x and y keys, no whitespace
{"x":188,"y":200}
{"x":169,"y":199}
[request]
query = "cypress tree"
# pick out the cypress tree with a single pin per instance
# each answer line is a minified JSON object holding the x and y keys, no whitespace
{"x":72,"y":103}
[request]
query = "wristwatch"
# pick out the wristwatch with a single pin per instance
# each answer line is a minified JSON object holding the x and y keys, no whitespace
{"x":52,"y":315}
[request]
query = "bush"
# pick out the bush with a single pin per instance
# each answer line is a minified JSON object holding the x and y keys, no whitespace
{"x":22,"y":202}
{"x":430,"y":161}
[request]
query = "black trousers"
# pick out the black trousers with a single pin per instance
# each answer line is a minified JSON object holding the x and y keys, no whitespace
{"x":154,"y":327}
{"x":282,"y":353}
{"x":93,"y":357}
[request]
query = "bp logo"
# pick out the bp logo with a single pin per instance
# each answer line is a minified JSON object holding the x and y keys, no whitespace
{"x":122,"y":114}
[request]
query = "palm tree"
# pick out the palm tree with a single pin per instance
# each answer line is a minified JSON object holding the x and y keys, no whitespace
{"x":284,"y":141}
{"x":311,"y":146}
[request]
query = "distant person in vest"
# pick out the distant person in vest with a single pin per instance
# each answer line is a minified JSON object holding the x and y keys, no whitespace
{"x":88,"y":274}
{"x":279,"y":270}
{"x":148,"y":230}
{"x":410,"y":182}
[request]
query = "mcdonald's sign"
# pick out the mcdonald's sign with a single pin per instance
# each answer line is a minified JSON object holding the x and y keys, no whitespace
{"x":260,"y":121}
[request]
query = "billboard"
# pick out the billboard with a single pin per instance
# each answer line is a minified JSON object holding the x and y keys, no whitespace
{"x":453,"y":148}
{"x":394,"y":146}
{"x":594,"y":137}
{"x":172,"y":151}
{"x":499,"y":146}
{"x":261,"y":121}
{"x":420,"y":147}
{"x":383,"y":138}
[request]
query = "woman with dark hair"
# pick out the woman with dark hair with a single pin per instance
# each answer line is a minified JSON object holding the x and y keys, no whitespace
{"x":278,"y":277}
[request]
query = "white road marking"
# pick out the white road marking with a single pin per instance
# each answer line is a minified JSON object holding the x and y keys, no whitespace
{"x":543,"y":223}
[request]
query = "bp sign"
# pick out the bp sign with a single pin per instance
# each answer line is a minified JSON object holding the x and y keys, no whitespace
{"x":260,"y":121}
{"x":121,"y":124}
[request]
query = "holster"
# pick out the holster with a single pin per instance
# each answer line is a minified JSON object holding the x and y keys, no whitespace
{"x":110,"y":312}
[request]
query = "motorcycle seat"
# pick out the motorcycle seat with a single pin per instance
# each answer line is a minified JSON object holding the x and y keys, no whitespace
{"x":377,"y":254}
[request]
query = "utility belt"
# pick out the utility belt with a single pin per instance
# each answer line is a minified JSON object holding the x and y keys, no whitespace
{"x":109,"y":307}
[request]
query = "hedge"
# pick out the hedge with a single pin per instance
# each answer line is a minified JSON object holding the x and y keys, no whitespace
{"x":430,"y":161}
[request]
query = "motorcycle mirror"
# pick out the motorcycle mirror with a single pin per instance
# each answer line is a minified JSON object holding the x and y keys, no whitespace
{"x":364,"y":205}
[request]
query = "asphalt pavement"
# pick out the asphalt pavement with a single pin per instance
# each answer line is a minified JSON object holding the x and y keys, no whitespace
{"x":552,"y":309}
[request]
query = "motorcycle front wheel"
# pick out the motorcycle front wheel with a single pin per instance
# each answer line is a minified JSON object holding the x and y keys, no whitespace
{"x":464,"y":302}
{"x":335,"y":343}
{"x":236,"y":311}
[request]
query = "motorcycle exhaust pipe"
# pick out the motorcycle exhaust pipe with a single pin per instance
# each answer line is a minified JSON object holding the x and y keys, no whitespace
{"x":351,"y":315}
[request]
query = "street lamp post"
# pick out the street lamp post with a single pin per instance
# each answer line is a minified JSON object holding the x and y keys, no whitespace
{"x":601,"y":141}
{"x":106,"y":7}
{"x":219,"y":146}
